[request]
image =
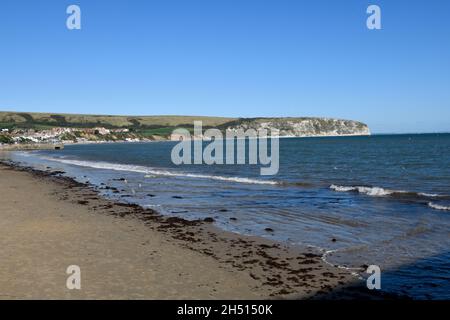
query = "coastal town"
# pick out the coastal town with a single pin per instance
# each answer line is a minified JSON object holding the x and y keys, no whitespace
{"x":59,"y":135}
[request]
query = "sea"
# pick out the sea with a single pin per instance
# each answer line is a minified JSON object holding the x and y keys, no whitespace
{"x":371,"y":200}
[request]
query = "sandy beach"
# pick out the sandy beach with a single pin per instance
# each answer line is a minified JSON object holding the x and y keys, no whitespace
{"x":49,"y":222}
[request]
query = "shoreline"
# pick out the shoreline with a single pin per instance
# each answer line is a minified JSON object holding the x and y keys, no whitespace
{"x":262,"y":268}
{"x":17,"y":147}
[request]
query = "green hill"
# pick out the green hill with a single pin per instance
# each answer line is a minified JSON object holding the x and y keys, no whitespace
{"x":150,"y":126}
{"x":49,"y":120}
{"x":144,"y":125}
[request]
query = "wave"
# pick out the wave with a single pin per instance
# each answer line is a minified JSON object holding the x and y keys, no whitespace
{"x":380,"y":192}
{"x":151,"y":171}
{"x":419,"y":197}
{"x":370,"y":191}
{"x":438,"y":206}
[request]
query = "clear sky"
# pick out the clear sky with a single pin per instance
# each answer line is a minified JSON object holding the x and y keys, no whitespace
{"x":239,"y":58}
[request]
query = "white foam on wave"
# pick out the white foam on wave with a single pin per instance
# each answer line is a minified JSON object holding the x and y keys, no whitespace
{"x":151,"y":171}
{"x":370,"y":191}
{"x":342,"y":188}
{"x":325,"y":253}
{"x":379,"y":192}
{"x":430,"y":195}
{"x":438,"y":206}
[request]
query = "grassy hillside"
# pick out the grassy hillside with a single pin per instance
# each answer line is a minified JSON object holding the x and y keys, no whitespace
{"x":144,"y":126}
{"x":48,"y":120}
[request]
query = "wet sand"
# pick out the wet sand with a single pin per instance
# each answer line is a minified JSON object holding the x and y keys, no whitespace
{"x":48,"y":222}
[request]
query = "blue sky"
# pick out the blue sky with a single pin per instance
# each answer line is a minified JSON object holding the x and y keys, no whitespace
{"x":240,"y":58}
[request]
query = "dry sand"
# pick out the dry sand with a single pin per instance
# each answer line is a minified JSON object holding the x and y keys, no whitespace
{"x":125,"y":252}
